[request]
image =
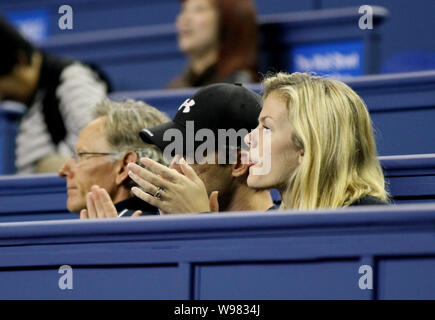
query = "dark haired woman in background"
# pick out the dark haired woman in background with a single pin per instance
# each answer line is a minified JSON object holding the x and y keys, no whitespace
{"x":219,"y":38}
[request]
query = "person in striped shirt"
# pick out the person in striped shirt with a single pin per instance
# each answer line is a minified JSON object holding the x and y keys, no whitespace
{"x":58,"y":94}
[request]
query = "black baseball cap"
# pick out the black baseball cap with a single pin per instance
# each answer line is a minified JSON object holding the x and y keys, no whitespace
{"x":214,"y":107}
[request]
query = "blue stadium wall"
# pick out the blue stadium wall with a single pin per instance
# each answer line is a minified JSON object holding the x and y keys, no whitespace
{"x":400,"y":32}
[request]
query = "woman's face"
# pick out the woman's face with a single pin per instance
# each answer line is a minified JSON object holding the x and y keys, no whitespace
{"x":197,"y":26}
{"x":272,"y":152}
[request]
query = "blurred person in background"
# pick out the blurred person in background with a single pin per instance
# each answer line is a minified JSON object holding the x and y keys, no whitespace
{"x":58,"y":94}
{"x":219,"y":38}
{"x":96,"y":176}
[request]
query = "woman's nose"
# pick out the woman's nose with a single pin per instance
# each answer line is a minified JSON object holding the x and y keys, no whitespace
{"x":250,"y":138}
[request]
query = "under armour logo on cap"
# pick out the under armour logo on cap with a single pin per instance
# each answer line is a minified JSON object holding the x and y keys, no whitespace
{"x":148,"y":132}
{"x":187,"y":104}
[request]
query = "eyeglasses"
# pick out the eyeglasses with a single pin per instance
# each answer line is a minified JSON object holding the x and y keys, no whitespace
{"x":81,"y":156}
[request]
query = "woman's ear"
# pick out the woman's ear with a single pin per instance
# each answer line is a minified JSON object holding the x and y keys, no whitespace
{"x":23,"y":59}
{"x":301,"y":153}
{"x":122,"y":175}
{"x":239,"y":168}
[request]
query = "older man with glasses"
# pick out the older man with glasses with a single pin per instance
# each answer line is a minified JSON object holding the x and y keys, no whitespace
{"x":97,"y":179}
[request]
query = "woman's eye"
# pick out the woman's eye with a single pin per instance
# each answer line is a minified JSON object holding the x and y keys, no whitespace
{"x":266,"y":128}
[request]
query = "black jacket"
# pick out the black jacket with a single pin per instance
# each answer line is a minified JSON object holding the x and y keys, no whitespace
{"x":127,"y":207}
{"x":363,"y":201}
{"x":368,"y":201}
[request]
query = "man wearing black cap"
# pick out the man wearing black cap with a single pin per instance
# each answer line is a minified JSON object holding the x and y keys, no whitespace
{"x":208,"y":130}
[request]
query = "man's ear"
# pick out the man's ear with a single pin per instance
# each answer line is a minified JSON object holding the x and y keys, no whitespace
{"x":239,"y":168}
{"x":122,"y":175}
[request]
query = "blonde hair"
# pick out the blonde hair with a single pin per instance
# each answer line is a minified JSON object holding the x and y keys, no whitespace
{"x":332,"y":125}
{"x":124,"y":120}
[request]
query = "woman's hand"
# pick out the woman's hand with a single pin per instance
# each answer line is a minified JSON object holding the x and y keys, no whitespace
{"x":100,"y":205}
{"x":177,"y":189}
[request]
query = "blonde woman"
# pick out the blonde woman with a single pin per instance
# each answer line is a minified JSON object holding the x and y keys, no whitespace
{"x":318,"y":143}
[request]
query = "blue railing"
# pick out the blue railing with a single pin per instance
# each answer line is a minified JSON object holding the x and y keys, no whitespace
{"x":359,"y":253}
